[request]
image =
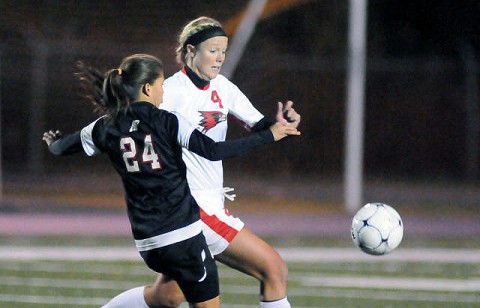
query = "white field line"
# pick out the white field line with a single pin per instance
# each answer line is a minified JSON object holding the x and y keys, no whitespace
{"x":65,"y":283}
{"x":392,"y":295}
{"x":53,"y":300}
{"x":420,"y":284}
{"x":440,"y":255}
{"x":69,"y":253}
{"x":139,"y":270}
{"x":302,"y":255}
{"x":335,"y":281}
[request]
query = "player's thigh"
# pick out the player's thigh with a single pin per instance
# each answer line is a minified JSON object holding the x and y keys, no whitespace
{"x":250,"y":254}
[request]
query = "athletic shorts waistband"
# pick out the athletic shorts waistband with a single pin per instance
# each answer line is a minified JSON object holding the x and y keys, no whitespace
{"x":169,"y":238}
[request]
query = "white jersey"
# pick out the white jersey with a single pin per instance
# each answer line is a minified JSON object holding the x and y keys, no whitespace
{"x":207,"y":109}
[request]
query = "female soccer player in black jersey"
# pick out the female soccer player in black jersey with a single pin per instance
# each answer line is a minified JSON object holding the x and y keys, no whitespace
{"x":144,"y":145}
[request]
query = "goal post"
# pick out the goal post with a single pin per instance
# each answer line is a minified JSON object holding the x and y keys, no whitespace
{"x":242,"y":36}
{"x":1,"y":141}
{"x":354,"y":124}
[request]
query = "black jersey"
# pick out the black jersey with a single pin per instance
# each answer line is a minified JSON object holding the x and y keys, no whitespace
{"x":144,"y":146}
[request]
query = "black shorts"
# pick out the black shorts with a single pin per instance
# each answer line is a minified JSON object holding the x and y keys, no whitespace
{"x":190,"y":264}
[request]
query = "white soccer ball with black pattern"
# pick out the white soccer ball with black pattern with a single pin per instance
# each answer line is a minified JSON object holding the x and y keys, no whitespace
{"x":377,"y":229}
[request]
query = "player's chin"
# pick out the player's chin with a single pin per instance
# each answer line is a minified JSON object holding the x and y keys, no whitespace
{"x":214,"y":73}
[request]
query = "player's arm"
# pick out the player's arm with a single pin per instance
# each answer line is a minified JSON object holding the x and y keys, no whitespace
{"x":263,"y":124}
{"x":80,"y":141}
{"x":63,"y":145}
{"x":208,"y":148}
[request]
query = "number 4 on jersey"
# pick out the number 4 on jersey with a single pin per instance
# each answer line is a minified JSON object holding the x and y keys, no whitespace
{"x":216,"y":98}
{"x":149,"y":156}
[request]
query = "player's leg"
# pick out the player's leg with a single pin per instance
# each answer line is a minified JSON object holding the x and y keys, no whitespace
{"x":165,"y":292}
{"x":251,"y":255}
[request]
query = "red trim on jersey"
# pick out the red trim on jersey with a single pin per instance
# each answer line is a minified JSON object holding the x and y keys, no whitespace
{"x":219,"y":226}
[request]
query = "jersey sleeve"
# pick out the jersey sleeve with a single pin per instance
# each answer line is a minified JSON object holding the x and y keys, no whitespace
{"x":262,"y":124}
{"x":206,"y":147}
{"x":241,"y":107}
{"x":79,"y":141}
{"x":86,"y":136}
{"x":66,"y":145}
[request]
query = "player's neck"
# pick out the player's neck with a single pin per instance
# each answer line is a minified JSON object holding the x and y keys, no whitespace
{"x":197,"y":81}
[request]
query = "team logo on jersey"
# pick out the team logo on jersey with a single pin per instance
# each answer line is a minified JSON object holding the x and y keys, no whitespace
{"x":210,"y":119}
{"x":134,"y":126}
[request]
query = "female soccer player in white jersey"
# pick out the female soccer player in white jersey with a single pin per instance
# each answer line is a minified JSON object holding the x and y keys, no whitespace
{"x":144,"y":145}
{"x":199,"y":93}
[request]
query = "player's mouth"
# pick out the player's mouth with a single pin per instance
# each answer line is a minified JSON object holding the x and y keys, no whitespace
{"x":216,"y":68}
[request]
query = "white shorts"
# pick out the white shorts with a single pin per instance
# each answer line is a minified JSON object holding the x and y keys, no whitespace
{"x":219,"y":226}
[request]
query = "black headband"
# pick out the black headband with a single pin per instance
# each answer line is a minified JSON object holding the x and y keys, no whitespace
{"x":204,"y":35}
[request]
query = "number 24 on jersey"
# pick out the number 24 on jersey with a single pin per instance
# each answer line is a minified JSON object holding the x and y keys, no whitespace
{"x":149,"y":156}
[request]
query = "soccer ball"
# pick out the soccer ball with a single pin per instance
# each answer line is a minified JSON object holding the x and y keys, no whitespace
{"x":377,"y":229}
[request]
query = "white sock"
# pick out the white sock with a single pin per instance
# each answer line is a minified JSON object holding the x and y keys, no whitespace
{"x":132,"y":298}
{"x":281,"y":303}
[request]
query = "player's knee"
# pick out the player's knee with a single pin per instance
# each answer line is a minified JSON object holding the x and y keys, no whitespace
{"x":168,"y":300}
{"x":276,"y":271}
{"x":164,"y":299}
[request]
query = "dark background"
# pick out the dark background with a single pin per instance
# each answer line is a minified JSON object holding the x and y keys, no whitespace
{"x":422,"y":106}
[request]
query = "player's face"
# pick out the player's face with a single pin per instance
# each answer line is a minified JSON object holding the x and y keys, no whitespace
{"x":157,"y":91}
{"x":209,"y":56}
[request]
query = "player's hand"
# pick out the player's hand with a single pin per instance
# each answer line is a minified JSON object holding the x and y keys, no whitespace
{"x":50,"y":136}
{"x":283,"y":129}
{"x":288,"y":113}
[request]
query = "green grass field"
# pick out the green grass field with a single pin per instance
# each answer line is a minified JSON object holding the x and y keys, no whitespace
{"x":318,"y":277}
{"x":429,"y":269}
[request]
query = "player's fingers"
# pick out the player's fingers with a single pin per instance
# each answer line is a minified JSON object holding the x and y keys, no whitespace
{"x":288,"y":105}
{"x":290,"y":130}
{"x":294,"y":117}
{"x":279,"y":111}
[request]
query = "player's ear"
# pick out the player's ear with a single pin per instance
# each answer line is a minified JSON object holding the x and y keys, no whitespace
{"x":190,"y":49}
{"x":146,"y":89}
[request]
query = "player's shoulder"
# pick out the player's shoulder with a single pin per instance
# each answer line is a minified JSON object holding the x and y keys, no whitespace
{"x":148,"y":112}
{"x":222,"y":81}
{"x":161,"y":121}
{"x":177,"y":79}
{"x":161,"y":113}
